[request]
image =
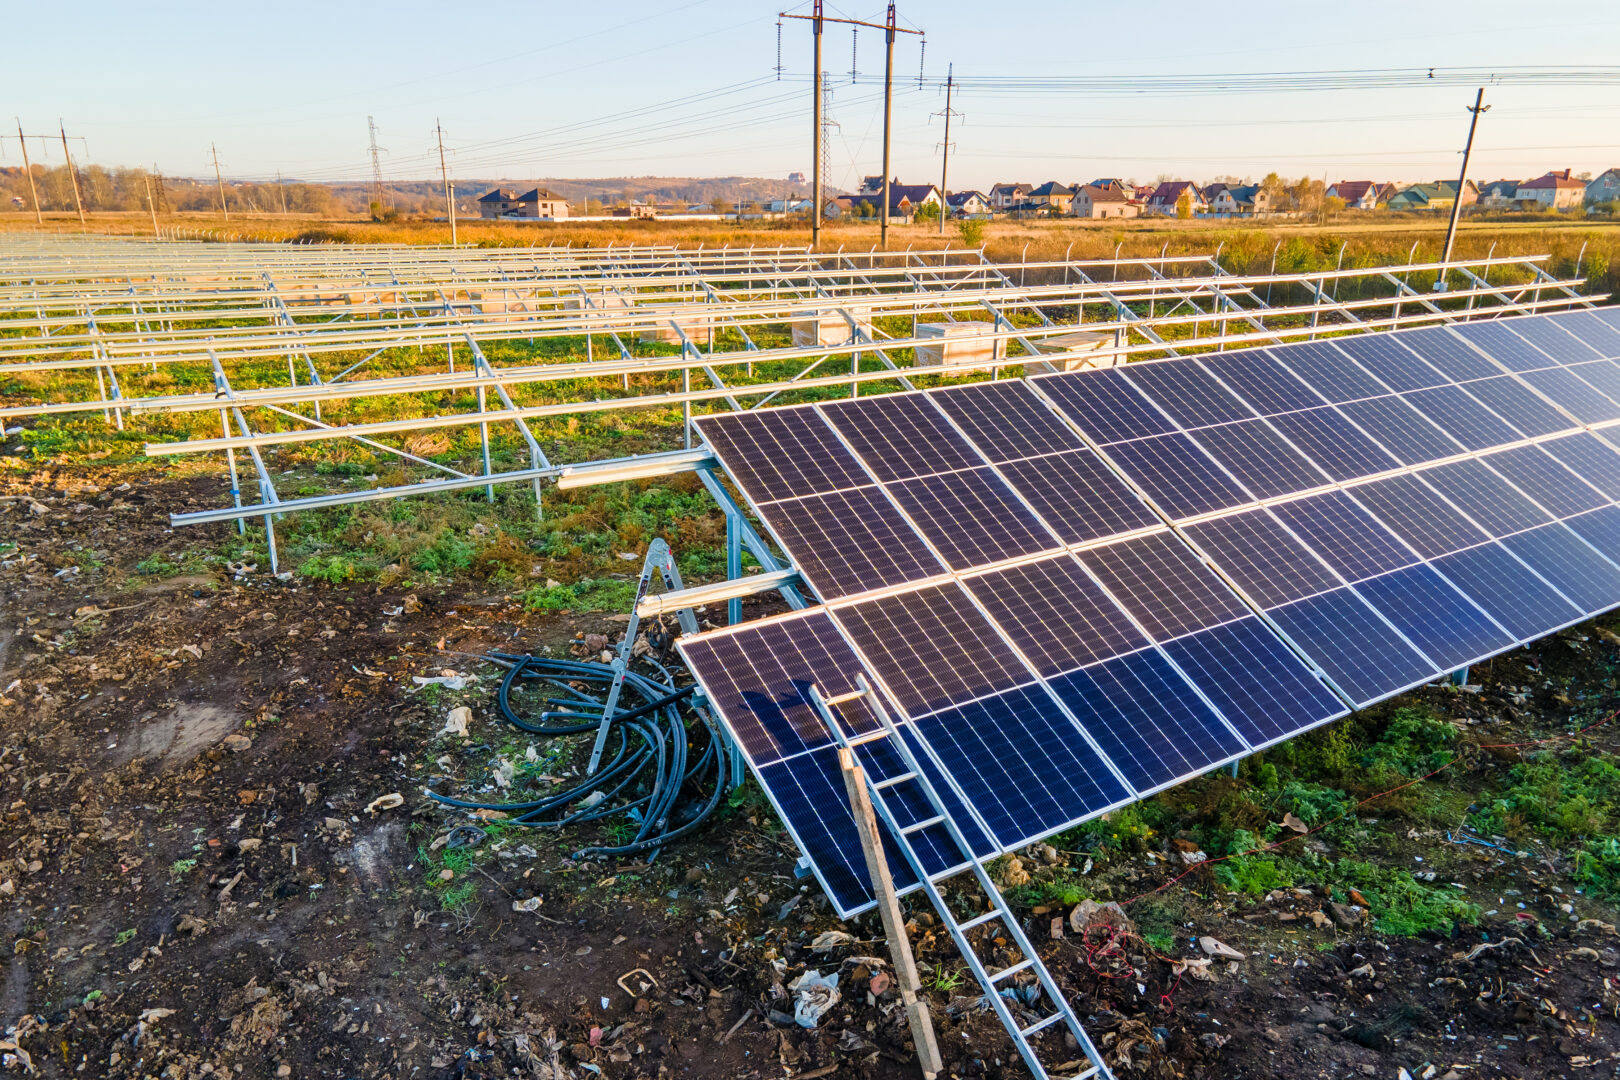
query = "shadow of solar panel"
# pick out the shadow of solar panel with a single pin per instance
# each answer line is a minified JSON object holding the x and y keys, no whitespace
{"x":1397,"y":367}
{"x":972,"y":517}
{"x":1103,"y":404}
{"x":1332,"y":373}
{"x":1553,"y":338}
{"x":1578,"y":398}
{"x":1417,"y":515}
{"x":1351,"y":540}
{"x":1262,"y":462}
{"x":1403,"y":431}
{"x":1455,"y":359}
{"x":850,"y":542}
{"x":1161,"y":582}
{"x":1503,"y":345}
{"x":1514,"y":595}
{"x":1594,"y":459}
{"x":1189,"y":394}
{"x":1056,"y":614}
{"x":1521,"y":406}
{"x":1334,"y":444}
{"x":900,"y":435}
{"x":1435,"y":617}
{"x":1177,"y":475}
{"x":1147,"y":719}
{"x":1357,"y":649}
{"x":1485,"y":497}
{"x":1543,"y":477}
{"x":1257,"y":553}
{"x":1462,"y":417}
{"x":1572,"y":566}
{"x":781,"y":453}
{"x":1079,"y":496}
{"x":1006,"y":420}
{"x":1262,"y":688}
{"x":1597,"y":334}
{"x":932,"y":648}
{"x":1021,"y":764}
{"x":1261,"y":381}
{"x":1604,"y":375}
{"x":1600,"y":528}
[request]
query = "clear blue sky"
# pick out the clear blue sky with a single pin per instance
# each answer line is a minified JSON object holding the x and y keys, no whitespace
{"x":687,"y":88}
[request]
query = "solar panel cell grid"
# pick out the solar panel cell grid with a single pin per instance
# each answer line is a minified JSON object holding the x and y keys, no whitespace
{"x":781,"y":453}
{"x":1262,"y":382}
{"x":1573,"y":567}
{"x":972,"y":518}
{"x":1601,"y":529}
{"x":1333,"y":443}
{"x":1104,"y":404}
{"x":1552,"y":338}
{"x":900,"y":436}
{"x":1597,"y":334}
{"x":1055,"y":614}
{"x":1603,"y":375}
{"x":1357,"y":649}
{"x":1454,"y":358}
{"x":1177,"y":475}
{"x":1262,"y":461}
{"x":1260,"y":556}
{"x":1435,"y":617}
{"x":1006,"y":420}
{"x":1485,"y":497}
{"x":1575,"y":396}
{"x":1403,"y":431}
{"x":1593,"y":458}
{"x":1330,"y":372}
{"x":1146,"y":718}
{"x":1078,"y":496}
{"x":1396,"y":367}
{"x":1503,"y":345}
{"x":1417,"y":515}
{"x":1353,"y":542}
{"x":1521,"y":406}
{"x":850,"y":542}
{"x":1560,"y":491}
{"x":1189,"y":394}
{"x":1514,"y":594}
{"x":1161,"y":582}
{"x":1462,"y":417}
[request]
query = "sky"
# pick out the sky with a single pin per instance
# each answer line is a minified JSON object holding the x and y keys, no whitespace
{"x":690,"y":88}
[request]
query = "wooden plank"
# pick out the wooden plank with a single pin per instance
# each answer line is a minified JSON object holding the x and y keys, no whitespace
{"x":894,"y":923}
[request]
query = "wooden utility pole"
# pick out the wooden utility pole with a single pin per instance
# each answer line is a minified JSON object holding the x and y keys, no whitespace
{"x":281,"y":190}
{"x":444,"y":174}
{"x":894,"y":923}
{"x":945,"y":156}
{"x":888,"y":118}
{"x":73,"y":176}
{"x":220,"y":180}
{"x":150,"y":205}
{"x":33,"y":192}
{"x":1476,"y":108}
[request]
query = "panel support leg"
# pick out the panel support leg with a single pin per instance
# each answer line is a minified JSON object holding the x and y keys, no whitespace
{"x":894,"y":923}
{"x":1459,"y":677}
{"x":733,"y":564}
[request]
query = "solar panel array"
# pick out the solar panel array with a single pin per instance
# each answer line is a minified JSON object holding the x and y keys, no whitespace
{"x":1076,"y":590}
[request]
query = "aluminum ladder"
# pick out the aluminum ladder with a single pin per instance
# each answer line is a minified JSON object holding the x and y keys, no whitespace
{"x":992,"y":981}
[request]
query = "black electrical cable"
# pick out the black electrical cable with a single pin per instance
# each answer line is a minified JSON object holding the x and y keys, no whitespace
{"x":647,"y":775}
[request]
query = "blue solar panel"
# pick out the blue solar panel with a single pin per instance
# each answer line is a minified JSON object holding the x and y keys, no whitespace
{"x":1597,"y":334}
{"x":1104,"y":405}
{"x":1330,"y":440}
{"x":1602,"y":374}
{"x":1189,"y":394}
{"x":1266,"y":385}
{"x":1006,"y":420}
{"x":1330,"y":372}
{"x":1262,"y":558}
{"x":972,"y":517}
{"x":1262,"y":462}
{"x":1578,"y":398}
{"x":1161,"y":582}
{"x":1503,"y":345}
{"x":1485,"y":497}
{"x":1601,"y":529}
{"x":1261,"y":687}
{"x":1462,"y":417}
{"x":1514,"y":594}
{"x":1357,"y":649}
{"x":1452,"y":356}
{"x":1553,"y":338}
{"x":1418,"y":516}
{"x":848,"y":542}
{"x":1546,"y":480}
{"x":1591,"y":457}
{"x":1078,"y":496}
{"x":1573,"y":567}
{"x":901,"y":435}
{"x":781,"y":453}
{"x":1435,"y":617}
{"x":1146,"y":719}
{"x":1177,"y":475}
{"x":1406,"y":433}
{"x":1339,"y":530}
{"x":1021,"y":764}
{"x":1521,"y":406}
{"x":1395,"y":366}
{"x":1056,"y":615}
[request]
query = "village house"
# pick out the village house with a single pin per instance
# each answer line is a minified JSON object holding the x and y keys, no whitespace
{"x":1438,"y":196}
{"x":1360,"y":194}
{"x":967,"y":204}
{"x":1052,"y":194}
{"x":904,"y":201}
{"x":1244,"y":201}
{"x":1168,"y":197}
{"x":1499,"y":195}
{"x":1554,"y":191}
{"x":1605,"y":188}
{"x":1097,"y":201}
{"x":536,"y":203}
{"x":1004,"y":197}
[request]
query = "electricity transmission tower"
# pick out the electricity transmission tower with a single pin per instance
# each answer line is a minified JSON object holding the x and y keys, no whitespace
{"x":376,"y":166}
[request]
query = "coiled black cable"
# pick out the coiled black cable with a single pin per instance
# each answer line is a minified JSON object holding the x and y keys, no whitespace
{"x":646,"y":774}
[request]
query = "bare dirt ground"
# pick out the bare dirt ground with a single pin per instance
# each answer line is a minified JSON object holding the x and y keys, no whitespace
{"x":191,"y":885}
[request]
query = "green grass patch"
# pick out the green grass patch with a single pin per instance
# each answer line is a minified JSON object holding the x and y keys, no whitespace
{"x":587,"y":594}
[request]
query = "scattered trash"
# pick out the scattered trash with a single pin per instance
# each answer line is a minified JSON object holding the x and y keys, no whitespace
{"x":531,"y":904}
{"x":646,"y":982}
{"x":1198,"y":968}
{"x":1364,"y":971}
{"x":1216,"y":947}
{"x":465,"y":836}
{"x":1487,"y":946}
{"x":385,"y":802}
{"x":879,"y":984}
{"x":502,"y":774}
{"x":1292,"y":822}
{"x":828,"y":940}
{"x":813,"y":994}
{"x":456,"y":723}
{"x":452,"y":681}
